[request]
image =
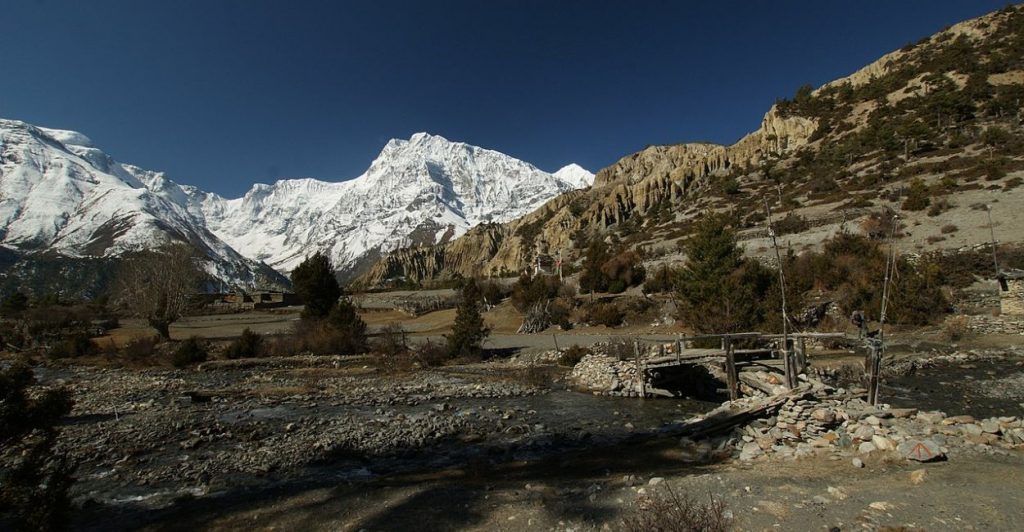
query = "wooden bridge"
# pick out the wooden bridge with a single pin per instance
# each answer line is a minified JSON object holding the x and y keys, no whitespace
{"x":788,"y":351}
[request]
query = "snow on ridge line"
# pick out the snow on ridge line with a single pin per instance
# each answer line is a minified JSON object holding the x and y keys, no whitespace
{"x":426,"y":186}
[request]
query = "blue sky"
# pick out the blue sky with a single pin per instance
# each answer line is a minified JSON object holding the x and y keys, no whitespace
{"x":222,"y":94}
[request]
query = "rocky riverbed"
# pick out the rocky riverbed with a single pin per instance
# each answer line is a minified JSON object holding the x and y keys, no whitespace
{"x":145,"y":438}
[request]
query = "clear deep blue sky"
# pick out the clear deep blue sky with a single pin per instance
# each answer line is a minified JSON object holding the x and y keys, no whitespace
{"x":222,"y":94}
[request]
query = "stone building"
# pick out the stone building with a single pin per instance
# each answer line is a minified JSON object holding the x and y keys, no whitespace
{"x":1011,"y":292}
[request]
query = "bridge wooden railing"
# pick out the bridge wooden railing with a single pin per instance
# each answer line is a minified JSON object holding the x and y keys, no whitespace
{"x":793,"y":354}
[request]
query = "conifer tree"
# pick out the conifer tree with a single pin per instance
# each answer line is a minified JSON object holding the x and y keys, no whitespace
{"x":469,"y":331}
{"x":719,"y":291}
{"x":315,"y":283}
{"x":350,"y":328}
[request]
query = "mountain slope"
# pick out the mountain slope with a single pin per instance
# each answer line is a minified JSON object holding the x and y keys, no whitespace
{"x":942,"y":117}
{"x":62,"y":196}
{"x":421,"y":191}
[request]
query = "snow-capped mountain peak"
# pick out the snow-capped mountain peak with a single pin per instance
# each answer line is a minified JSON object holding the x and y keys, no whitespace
{"x":59,"y":193}
{"x":423,"y":190}
{"x":576,"y":175}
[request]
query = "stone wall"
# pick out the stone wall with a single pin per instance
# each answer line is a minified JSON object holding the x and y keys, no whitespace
{"x":1011,"y":301}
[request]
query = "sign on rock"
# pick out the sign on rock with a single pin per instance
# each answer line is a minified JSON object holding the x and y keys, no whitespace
{"x":920,"y":450}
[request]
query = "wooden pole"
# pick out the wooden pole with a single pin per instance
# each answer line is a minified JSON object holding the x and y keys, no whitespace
{"x":679,"y":349}
{"x":801,"y":357}
{"x":790,"y":378}
{"x":873,"y":367}
{"x":640,"y":370}
{"x":731,"y":376}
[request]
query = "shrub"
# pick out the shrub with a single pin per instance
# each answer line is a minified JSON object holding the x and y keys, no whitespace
{"x":245,"y":346}
{"x":430,"y":354}
{"x":881,"y":225}
{"x":492,"y":292}
{"x":75,"y":345}
{"x":940,"y":206}
{"x":607,"y":314}
{"x":917,"y":196}
{"x":666,"y":511}
{"x":190,"y":351}
{"x":572,"y":356}
{"x":791,"y":224}
{"x":718,"y":290}
{"x":560,"y":311}
{"x":663,"y":280}
{"x":141,"y":348}
{"x":605,"y":270}
{"x":620,"y":349}
{"x":34,"y":477}
{"x":392,"y":348}
{"x":528,"y":291}
{"x":956,"y":328}
{"x":13,"y":305}
{"x":948,"y":229}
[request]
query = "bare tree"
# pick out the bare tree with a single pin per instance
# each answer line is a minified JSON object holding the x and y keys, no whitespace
{"x":157,"y":285}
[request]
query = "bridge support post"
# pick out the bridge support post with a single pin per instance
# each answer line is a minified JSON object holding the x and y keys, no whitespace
{"x":731,"y":375}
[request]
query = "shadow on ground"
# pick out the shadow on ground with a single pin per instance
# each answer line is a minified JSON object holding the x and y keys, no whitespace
{"x":453,"y":498}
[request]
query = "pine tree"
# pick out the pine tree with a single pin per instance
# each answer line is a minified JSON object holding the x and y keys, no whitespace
{"x":719,"y":291}
{"x":315,"y":283}
{"x":350,"y":328}
{"x":592,"y":279}
{"x":469,"y":331}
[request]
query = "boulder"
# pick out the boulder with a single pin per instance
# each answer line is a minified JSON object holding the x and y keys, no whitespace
{"x":923,"y":450}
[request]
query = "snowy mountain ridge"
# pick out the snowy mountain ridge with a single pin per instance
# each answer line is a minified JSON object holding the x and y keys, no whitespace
{"x":61,"y":194}
{"x":424,"y":190}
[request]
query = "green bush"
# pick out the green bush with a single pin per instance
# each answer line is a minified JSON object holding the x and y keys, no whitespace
{"x":247,"y":345}
{"x":918,"y":197}
{"x":188,"y":352}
